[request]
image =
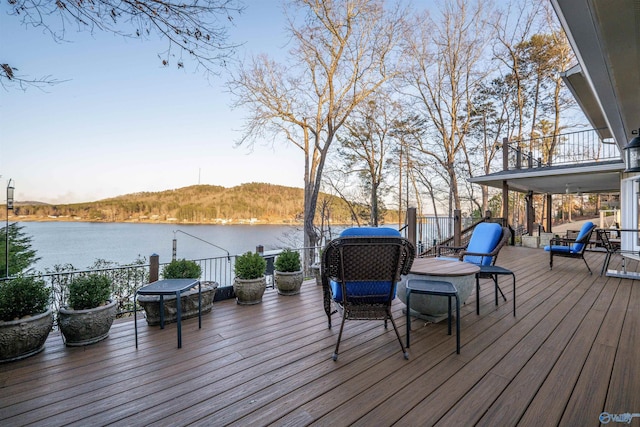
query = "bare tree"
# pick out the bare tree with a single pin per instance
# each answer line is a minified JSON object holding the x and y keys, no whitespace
{"x":342,"y":51}
{"x":444,"y":74}
{"x":490,"y":121}
{"x":192,"y":28}
{"x":513,"y":27}
{"x":365,"y":148}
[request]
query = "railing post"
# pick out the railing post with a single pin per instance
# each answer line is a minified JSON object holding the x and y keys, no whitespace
{"x":412,"y":225}
{"x":530,"y":160}
{"x":518,"y":158}
{"x":154,"y":268}
{"x":505,"y":154}
{"x":457,"y":227}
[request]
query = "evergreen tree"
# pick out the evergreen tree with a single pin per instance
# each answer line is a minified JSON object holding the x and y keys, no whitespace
{"x":21,"y":256}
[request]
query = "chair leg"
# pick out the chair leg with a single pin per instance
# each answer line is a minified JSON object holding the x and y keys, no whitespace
{"x":335,"y":352}
{"x":449,"y":318}
{"x":408,"y":316}
{"x":477,"y":295}
{"x":498,"y":289}
{"x":605,"y":264}
{"x":585,"y":263}
{"x":405,"y":353}
{"x":514,"y":294}
{"x":550,"y":260}
{"x":457,"y":324}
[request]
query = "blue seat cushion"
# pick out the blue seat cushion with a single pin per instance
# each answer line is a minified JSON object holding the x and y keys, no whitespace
{"x":375,"y":291}
{"x":378,"y":291}
{"x":369,"y":231}
{"x":577,"y":247}
{"x":559,"y":248}
{"x":484,"y":239}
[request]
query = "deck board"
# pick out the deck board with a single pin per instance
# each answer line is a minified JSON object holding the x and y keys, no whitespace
{"x":569,"y":354}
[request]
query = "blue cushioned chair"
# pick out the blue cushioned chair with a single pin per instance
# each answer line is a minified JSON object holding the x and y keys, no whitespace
{"x":482,"y":250}
{"x":486,"y":241}
{"x":571,"y":248}
{"x":360,"y":270}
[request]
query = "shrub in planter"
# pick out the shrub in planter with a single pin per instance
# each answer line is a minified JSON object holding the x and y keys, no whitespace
{"x":288,"y":272}
{"x":89,"y":291}
{"x":250,"y":265}
{"x":181,"y":269}
{"x":23,"y":296}
{"x":90,"y":312}
{"x":249,"y":284}
{"x":25,"y":317}
{"x":288,"y":261}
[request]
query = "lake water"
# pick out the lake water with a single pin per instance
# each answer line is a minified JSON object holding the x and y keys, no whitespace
{"x":81,"y":243}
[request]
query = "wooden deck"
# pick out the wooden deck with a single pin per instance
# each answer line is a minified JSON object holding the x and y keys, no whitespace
{"x":572,"y":352}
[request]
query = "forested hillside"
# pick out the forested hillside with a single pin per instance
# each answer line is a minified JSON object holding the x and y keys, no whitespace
{"x":198,"y":204}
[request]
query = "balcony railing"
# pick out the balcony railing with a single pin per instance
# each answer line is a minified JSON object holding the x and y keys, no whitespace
{"x":564,"y":149}
{"x":128,"y":279}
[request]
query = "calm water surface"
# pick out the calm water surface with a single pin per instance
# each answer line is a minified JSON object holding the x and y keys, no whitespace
{"x":81,"y":243}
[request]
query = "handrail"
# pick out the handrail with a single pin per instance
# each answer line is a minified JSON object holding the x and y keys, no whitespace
{"x":568,"y":148}
{"x":197,"y":238}
{"x":465,"y":236}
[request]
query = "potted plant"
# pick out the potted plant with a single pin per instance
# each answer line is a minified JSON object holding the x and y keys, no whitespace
{"x":250,"y":283}
{"x":179,"y":269}
{"x":288,"y":272}
{"x":25,"y":317}
{"x":90,"y":311}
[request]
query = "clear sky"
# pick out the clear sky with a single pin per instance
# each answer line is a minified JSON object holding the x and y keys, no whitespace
{"x":122,"y":123}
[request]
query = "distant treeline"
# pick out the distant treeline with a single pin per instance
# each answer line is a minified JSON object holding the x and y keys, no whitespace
{"x":198,"y":204}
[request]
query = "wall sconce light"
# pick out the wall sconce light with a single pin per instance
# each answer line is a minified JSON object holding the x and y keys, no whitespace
{"x":6,"y":230}
{"x":632,"y":155}
{"x":10,"y":190}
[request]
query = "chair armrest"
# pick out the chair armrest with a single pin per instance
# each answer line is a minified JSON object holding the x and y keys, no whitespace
{"x":448,"y":249}
{"x":561,"y":241}
{"x":482,"y":254}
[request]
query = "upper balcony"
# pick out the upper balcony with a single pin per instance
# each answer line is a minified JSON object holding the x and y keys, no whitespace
{"x":573,"y":148}
{"x":568,"y":163}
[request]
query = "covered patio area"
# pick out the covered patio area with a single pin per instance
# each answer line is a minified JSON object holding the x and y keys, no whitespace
{"x":570,"y":354}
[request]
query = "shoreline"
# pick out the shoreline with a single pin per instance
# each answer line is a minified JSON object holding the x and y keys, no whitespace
{"x":21,"y":218}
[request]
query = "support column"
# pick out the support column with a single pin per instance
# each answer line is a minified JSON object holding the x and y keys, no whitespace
{"x":505,"y":202}
{"x":412,"y":219}
{"x":505,"y":186}
{"x":530,"y":212}
{"x":549,"y":213}
{"x":457,"y":227}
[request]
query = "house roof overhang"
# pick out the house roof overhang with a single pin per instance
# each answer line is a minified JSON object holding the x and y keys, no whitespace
{"x":596,"y":177}
{"x":605,"y":36}
{"x":578,"y":85}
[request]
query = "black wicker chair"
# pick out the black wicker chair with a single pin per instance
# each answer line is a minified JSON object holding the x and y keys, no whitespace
{"x":359,"y":276}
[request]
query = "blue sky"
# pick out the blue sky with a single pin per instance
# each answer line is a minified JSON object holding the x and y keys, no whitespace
{"x":122,"y":123}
